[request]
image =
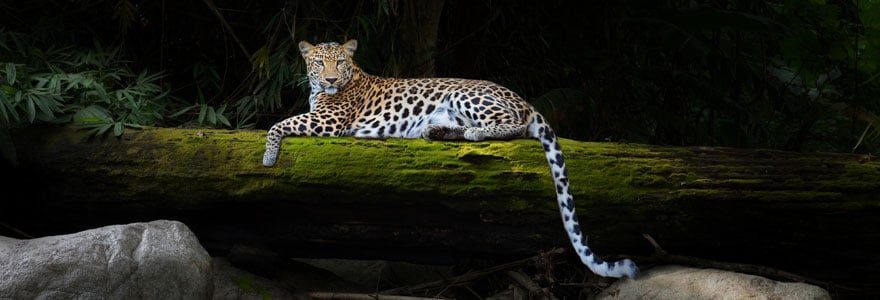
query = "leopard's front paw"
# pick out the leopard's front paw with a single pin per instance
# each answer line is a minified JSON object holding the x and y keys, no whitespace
{"x":269,"y":159}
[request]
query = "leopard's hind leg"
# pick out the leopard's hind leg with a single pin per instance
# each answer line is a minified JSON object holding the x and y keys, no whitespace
{"x":491,"y":132}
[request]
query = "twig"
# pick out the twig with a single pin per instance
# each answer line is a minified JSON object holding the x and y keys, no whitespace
{"x":534,"y":289}
{"x":16,"y":230}
{"x":220,"y":17}
{"x":473,"y":292}
{"x":442,"y":291}
{"x":662,"y":256}
{"x":658,"y":251}
{"x":861,"y":138}
{"x":354,"y":296}
{"x":599,"y":285}
{"x":471,"y":276}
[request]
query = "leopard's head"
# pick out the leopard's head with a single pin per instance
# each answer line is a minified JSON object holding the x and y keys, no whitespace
{"x":330,"y":66}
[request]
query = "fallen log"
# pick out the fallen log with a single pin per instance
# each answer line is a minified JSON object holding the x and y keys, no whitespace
{"x":811,"y":213}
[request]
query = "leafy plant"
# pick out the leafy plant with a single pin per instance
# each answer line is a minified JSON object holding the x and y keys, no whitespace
{"x":796,"y":74}
{"x":92,"y":88}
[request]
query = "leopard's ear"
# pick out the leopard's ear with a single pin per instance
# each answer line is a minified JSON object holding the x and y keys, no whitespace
{"x":350,"y":46}
{"x":304,"y":48}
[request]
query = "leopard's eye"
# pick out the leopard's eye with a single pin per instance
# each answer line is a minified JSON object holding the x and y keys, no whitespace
{"x":340,"y":61}
{"x":319,"y":61}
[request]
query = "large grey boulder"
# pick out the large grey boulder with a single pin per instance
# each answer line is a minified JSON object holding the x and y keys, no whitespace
{"x":155,"y":260}
{"x":677,"y":282}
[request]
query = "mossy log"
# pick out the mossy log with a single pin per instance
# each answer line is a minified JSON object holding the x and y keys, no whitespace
{"x":420,"y":200}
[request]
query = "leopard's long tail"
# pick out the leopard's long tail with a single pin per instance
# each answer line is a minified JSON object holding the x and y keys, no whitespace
{"x":539,"y":129}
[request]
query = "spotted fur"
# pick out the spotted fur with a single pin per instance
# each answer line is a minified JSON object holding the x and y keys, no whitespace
{"x":345,"y":101}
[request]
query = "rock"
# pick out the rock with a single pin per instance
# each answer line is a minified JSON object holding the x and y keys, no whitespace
{"x":232,"y":283}
{"x":677,"y":282}
{"x":155,"y":260}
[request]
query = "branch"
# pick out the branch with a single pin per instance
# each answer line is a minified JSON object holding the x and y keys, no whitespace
{"x":220,"y":17}
{"x":353,"y":296}
{"x":432,"y":201}
{"x":471,"y":276}
{"x":534,"y":289}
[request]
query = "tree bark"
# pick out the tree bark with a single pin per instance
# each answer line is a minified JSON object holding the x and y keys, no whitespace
{"x":419,"y":25}
{"x":811,"y":213}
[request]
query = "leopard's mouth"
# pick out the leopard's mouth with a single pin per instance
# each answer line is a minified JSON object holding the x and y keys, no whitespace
{"x":331,"y":90}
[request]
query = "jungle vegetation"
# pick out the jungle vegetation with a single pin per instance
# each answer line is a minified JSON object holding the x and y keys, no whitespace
{"x":799,"y":75}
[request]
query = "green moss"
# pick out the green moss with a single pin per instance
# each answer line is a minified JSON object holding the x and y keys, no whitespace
{"x":519,"y":204}
{"x":857,"y":177}
{"x":507,"y":175}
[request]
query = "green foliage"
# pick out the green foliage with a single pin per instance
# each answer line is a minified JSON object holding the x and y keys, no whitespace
{"x":797,"y":75}
{"x":277,"y":65}
{"x":791,"y":74}
{"x":824,"y":59}
{"x":92,"y":88}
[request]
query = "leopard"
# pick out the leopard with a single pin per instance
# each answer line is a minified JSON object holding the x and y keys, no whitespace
{"x":345,"y":101}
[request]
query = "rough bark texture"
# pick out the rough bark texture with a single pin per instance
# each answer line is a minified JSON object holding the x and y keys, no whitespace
{"x":435,"y":201}
{"x":419,"y":23}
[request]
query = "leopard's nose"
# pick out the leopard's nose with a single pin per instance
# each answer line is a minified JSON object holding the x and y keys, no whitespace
{"x":331,"y":80}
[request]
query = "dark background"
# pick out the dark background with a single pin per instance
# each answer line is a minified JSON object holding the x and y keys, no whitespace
{"x":798,"y":74}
